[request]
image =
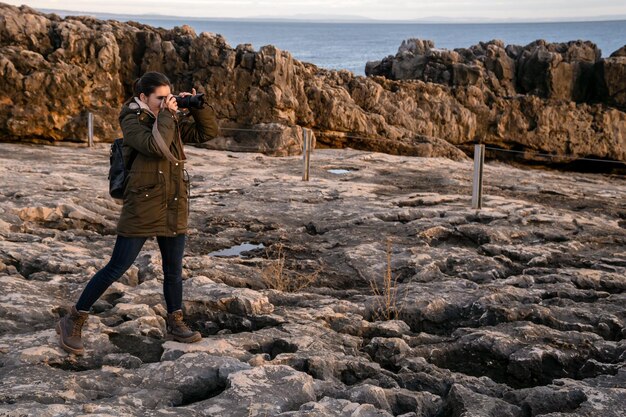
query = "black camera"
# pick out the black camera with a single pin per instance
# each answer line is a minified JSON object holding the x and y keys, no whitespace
{"x":190,"y":102}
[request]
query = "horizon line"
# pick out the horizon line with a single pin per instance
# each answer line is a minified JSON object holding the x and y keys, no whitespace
{"x":341,"y":18}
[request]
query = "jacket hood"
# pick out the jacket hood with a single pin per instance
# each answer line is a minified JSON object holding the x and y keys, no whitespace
{"x":134,"y":105}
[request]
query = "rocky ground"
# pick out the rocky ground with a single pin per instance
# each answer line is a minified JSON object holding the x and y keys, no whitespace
{"x":513,"y":310}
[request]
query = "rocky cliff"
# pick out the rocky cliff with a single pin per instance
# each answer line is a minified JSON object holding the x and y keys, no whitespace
{"x":56,"y":70}
{"x":572,"y":71}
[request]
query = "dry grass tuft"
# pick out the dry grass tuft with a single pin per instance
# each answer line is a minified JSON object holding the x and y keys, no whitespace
{"x":388,"y":303}
{"x":276,"y":276}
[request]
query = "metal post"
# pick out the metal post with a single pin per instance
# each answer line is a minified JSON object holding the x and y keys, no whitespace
{"x":90,"y":129}
{"x":477,"y":190}
{"x":306,"y":153}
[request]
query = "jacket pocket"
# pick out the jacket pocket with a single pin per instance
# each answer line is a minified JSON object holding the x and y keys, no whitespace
{"x":147,"y":203}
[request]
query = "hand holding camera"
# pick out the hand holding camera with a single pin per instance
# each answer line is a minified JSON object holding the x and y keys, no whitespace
{"x":170,"y":103}
{"x":184,"y":100}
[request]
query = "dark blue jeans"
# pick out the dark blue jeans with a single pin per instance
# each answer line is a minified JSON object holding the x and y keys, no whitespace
{"x":124,"y":254}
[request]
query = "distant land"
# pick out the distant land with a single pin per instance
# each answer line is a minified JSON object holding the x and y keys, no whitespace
{"x":322,"y":18}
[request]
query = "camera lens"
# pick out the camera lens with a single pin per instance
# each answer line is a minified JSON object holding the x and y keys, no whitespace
{"x":182,"y":102}
{"x":190,"y":102}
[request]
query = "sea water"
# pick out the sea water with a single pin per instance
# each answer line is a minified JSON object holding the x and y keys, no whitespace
{"x":350,"y":45}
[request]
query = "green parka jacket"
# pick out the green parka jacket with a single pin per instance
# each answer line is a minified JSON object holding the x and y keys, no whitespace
{"x":156,"y":197}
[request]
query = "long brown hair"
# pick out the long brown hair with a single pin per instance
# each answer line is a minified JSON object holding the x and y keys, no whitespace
{"x":149,"y":82}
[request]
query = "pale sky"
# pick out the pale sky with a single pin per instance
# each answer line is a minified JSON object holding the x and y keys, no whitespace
{"x":375,"y":9}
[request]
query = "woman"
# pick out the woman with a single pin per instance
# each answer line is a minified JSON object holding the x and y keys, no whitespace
{"x":155,"y":200}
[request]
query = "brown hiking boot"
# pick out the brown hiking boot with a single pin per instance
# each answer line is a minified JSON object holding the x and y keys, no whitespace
{"x":179,"y":330}
{"x":69,"y":329}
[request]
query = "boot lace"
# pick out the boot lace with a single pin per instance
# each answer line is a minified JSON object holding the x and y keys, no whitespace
{"x":180,"y":324}
{"x":78,"y":324}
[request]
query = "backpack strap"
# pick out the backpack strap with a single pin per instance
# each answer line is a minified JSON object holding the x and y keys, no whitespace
{"x":131,"y":159}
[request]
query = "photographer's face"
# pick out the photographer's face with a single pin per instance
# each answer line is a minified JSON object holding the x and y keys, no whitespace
{"x":155,"y":99}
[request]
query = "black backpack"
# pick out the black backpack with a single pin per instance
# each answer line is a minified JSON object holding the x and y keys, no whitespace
{"x":118,"y":172}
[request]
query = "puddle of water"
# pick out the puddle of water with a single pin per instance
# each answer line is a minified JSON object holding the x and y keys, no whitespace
{"x":236,"y":250}
{"x":339,"y":171}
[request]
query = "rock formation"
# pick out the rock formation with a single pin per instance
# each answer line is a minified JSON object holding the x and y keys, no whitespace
{"x":572,"y":71}
{"x":56,"y":70}
{"x":514,"y":310}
